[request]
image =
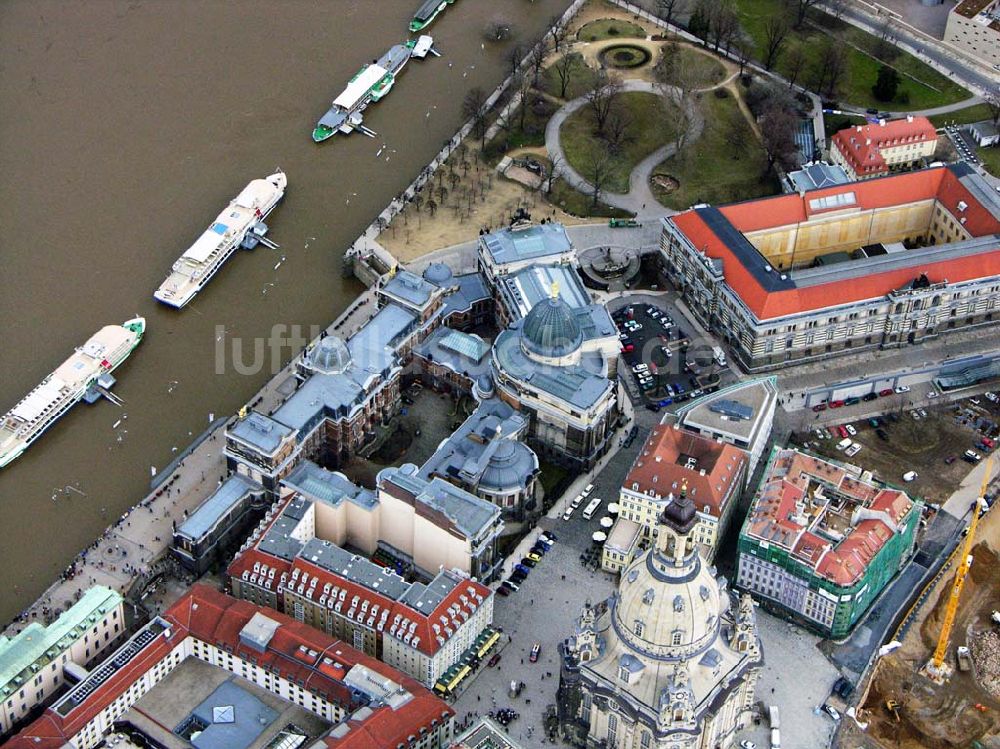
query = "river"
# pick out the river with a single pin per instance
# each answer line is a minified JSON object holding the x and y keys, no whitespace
{"x":126,"y":128}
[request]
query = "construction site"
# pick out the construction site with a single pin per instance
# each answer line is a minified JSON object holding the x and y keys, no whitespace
{"x":903,"y":707}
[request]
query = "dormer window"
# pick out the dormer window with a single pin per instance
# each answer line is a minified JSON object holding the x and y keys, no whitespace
{"x":677,"y":637}
{"x":638,"y":627}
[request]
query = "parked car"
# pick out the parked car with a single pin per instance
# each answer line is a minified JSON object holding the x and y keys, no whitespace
{"x":910,"y":476}
{"x":536,"y":650}
{"x":831,"y":711}
{"x":882,"y":434}
{"x":874,"y":422}
{"x":851,"y":429}
{"x":527,"y":563}
{"x":819,"y":407}
{"x":852,"y":401}
{"x":869,"y":397}
{"x":628,"y":348}
{"x":950,"y":459}
{"x":883,"y":393}
{"x":842,"y":431}
{"x":494,"y":660}
{"x":836,"y":404}
{"x":534,"y":557}
{"x":653,"y":407}
{"x":853,"y":450}
{"x":971,"y":456}
{"x":503,"y":591}
{"x":901,"y":389}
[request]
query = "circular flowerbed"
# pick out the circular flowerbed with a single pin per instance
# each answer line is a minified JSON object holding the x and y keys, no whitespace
{"x":624,"y":56}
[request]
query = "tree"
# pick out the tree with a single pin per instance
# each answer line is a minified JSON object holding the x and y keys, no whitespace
{"x":743,"y":49}
{"x":795,"y":61}
{"x":598,"y":170}
{"x":474,"y":109}
{"x":833,"y":61}
{"x":778,"y":127}
{"x":886,"y":84}
{"x":885,"y":31}
{"x":668,"y":9}
{"x":724,"y":24}
{"x":522,"y":85}
{"x":557,"y":32}
{"x":431,"y":206}
{"x":992,"y":100}
{"x":554,"y":172}
{"x":514,"y":56}
{"x":618,"y":128}
{"x":699,"y":22}
{"x":775,"y":32}
{"x":738,"y":133}
{"x":536,"y":59}
{"x":801,"y":8}
{"x":602,"y":97}
{"x":564,"y":68}
{"x":836,"y":8}
{"x":498,"y":29}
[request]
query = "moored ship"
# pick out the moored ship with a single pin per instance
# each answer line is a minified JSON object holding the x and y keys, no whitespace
{"x":63,"y":388}
{"x":241,"y":224}
{"x":427,"y":12}
{"x":368,"y":85}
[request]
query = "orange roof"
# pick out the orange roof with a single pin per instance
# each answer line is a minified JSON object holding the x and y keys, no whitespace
{"x":939,"y":184}
{"x":213,"y":617}
{"x":661,"y":467}
{"x":862,"y":145}
{"x":774,"y":509}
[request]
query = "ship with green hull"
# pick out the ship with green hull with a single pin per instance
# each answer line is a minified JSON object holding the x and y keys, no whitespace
{"x":427,"y":12}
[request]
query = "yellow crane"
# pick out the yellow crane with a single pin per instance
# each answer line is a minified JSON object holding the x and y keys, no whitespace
{"x":936,"y":669}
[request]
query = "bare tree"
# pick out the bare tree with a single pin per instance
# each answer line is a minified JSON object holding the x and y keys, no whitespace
{"x":522,"y":85}
{"x":669,"y":9}
{"x":618,"y":128}
{"x":743,"y":49}
{"x":885,"y":32}
{"x":514,"y":56}
{"x":598,"y":170}
{"x":778,"y":127}
{"x":795,"y":61}
{"x":723,"y":24}
{"x":737,"y":131}
{"x":431,"y":206}
{"x":992,"y":100}
{"x":775,"y":33}
{"x":602,"y":97}
{"x":498,"y":29}
{"x":555,"y":172}
{"x":536,"y":59}
{"x":474,"y":109}
{"x":801,"y":8}
{"x":564,"y":68}
{"x":836,"y":8}
{"x":665,"y":72}
{"x":832,"y":63}
{"x":557,"y":32}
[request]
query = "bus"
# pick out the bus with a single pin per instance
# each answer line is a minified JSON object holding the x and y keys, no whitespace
{"x":591,"y":508}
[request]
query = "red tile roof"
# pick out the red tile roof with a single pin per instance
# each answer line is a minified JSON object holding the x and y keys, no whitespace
{"x":861,"y":146}
{"x":656,"y":469}
{"x":939,"y":184}
{"x":213,"y":617}
{"x":786,"y":484}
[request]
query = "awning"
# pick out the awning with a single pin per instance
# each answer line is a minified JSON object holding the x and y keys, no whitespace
{"x":490,"y":642}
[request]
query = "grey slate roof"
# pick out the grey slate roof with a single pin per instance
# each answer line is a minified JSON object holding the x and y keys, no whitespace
{"x":530,"y":243}
{"x":315,"y":482}
{"x":261,"y":431}
{"x":484,"y":450}
{"x":819,"y":175}
{"x":471,"y":289}
{"x":355,"y":568}
{"x":470,"y":514}
{"x":460,"y":352}
{"x":525,"y":288}
{"x":426,"y":598}
{"x":233,"y":716}
{"x":409,"y":288}
{"x":581,"y":385}
{"x":232,"y":491}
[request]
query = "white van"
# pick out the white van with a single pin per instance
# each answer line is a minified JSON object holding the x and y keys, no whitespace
{"x":719,"y":356}
{"x":844,"y":444}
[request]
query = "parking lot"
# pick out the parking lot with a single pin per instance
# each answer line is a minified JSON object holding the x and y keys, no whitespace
{"x":664,"y":362}
{"x":927,"y":449}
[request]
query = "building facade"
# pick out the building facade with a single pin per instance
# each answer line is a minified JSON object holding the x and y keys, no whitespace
{"x":974,"y":28}
{"x":875,"y":149}
{"x":199,"y":542}
{"x":34,"y":663}
{"x":666,"y":663}
{"x":675,"y":461}
{"x":877,"y":264}
{"x":821,"y":541}
{"x":369,"y":704}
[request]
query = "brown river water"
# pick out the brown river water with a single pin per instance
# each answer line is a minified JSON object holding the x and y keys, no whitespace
{"x":125,"y":127}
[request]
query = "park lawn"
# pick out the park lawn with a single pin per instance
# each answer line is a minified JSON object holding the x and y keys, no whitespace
{"x":708,"y":71}
{"x":975,"y":113}
{"x":610,"y":28}
{"x":581,"y":79}
{"x":990,"y":158}
{"x":575,"y":203}
{"x":861,"y":70}
{"x":653,"y":125}
{"x":716,"y":168}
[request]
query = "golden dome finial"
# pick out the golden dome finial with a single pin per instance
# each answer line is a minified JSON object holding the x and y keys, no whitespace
{"x":554,"y":290}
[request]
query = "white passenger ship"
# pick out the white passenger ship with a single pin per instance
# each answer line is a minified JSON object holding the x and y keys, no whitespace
{"x":241,"y":224}
{"x":62,"y":389}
